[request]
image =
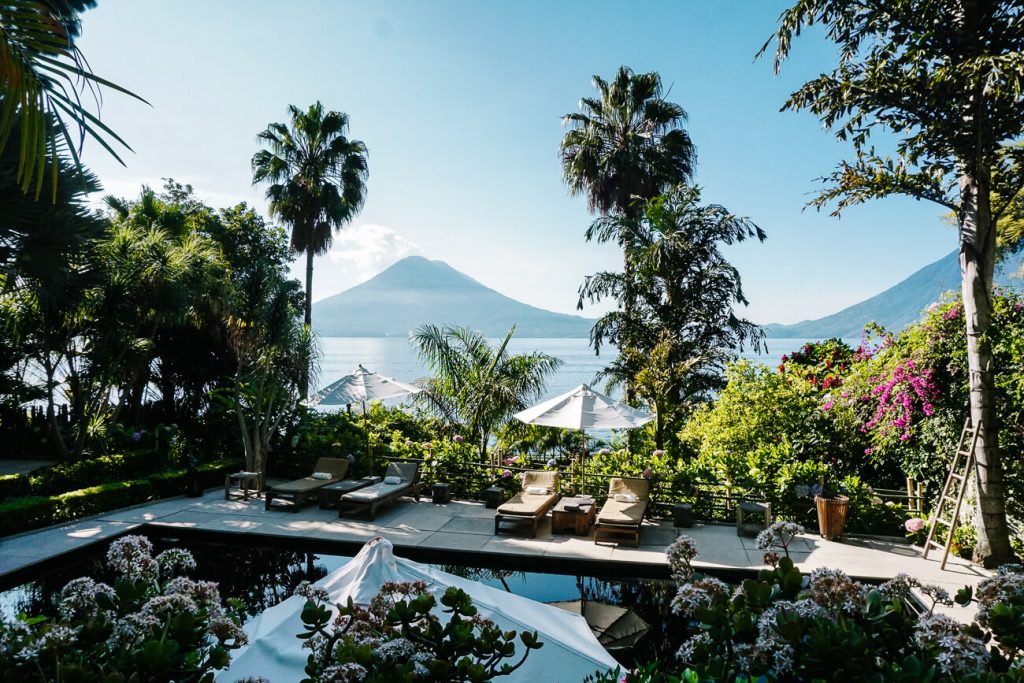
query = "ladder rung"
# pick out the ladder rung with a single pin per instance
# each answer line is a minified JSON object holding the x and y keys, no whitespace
{"x":944,"y":521}
{"x":936,"y":544}
{"x":963,"y":453}
{"x":957,"y":476}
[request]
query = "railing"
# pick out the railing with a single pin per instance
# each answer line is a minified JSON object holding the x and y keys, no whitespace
{"x":711,"y":501}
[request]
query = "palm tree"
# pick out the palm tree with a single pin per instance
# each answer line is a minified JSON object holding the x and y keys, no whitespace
{"x":475,"y":386}
{"x":624,"y":145}
{"x":318,"y":180}
{"x":44,"y":80}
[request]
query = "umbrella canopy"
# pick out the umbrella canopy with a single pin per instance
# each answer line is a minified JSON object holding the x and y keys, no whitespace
{"x":361,"y":386}
{"x":584,"y":408}
{"x":570,"y":652}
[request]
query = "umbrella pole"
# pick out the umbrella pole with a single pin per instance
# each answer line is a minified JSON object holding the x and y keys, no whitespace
{"x":583,"y":460}
{"x":366,"y":428}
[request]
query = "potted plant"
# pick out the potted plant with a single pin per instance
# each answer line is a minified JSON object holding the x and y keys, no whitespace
{"x":832,"y":505}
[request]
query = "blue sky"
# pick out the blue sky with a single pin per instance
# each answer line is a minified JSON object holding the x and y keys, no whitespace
{"x":460,"y":102}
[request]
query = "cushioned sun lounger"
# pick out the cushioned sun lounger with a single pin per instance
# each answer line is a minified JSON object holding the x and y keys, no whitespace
{"x":370,"y":498}
{"x":621,"y":519}
{"x":530,"y":507}
{"x":299,"y":490}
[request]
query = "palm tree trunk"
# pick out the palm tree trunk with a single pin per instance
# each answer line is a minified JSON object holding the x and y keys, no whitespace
{"x":304,"y":384}
{"x":977,"y":263}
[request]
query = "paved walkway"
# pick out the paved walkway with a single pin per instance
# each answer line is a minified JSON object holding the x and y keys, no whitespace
{"x":467,"y":528}
{"x":22,"y":465}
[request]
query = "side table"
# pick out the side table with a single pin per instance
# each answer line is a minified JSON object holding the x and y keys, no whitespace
{"x":329,"y":495}
{"x":573,"y":516}
{"x":244,"y":482}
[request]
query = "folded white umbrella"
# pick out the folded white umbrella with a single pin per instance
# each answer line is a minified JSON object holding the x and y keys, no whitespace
{"x":583,"y":409}
{"x":570,"y":652}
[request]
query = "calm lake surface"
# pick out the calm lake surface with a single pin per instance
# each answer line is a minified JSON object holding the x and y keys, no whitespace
{"x":395,"y":357}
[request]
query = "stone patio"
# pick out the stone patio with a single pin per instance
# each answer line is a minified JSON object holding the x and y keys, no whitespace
{"x":467,"y":528}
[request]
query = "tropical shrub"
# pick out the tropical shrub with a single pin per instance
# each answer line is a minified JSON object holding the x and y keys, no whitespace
{"x":783,"y":626}
{"x":153,"y":624}
{"x":399,"y":636}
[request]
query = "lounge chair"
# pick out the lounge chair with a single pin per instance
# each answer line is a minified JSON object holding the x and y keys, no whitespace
{"x":370,"y":498}
{"x":621,"y":519}
{"x":299,"y":490}
{"x":528,"y":506}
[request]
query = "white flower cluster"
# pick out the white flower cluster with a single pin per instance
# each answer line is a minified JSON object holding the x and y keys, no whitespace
{"x":687,"y":653}
{"x":957,"y":653}
{"x":680,"y":558}
{"x":1007,"y":586}
{"x":395,"y":651}
{"x":205,"y":594}
{"x":899,"y":586}
{"x":939,"y":595}
{"x":307,"y":590}
{"x":78,"y":598}
{"x":349,"y":672}
{"x":167,"y":606}
{"x":132,"y":558}
{"x":53,"y":639}
{"x":697,"y":595}
{"x":833,"y":588}
{"x":131,"y":630}
{"x":778,"y":534}
{"x":225,"y":630}
{"x":174,"y":561}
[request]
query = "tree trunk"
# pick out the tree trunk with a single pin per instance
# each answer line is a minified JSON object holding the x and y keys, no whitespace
{"x":304,"y":384}
{"x":977,"y":263}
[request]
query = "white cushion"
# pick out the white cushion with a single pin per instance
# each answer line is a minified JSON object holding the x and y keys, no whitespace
{"x":537,"y":490}
{"x":625,"y":498}
{"x":322,"y":475}
{"x":392,"y":481}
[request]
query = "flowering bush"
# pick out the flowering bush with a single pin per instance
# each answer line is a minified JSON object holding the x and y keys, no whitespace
{"x":783,"y":626}
{"x":153,"y":624}
{"x":399,"y":637}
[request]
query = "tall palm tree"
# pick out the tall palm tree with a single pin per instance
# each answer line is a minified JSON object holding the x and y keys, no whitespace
{"x":626,"y":144}
{"x":318,"y":180}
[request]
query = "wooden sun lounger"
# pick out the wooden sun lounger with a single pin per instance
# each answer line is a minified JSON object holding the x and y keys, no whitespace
{"x":528,"y":506}
{"x":300,"y":490}
{"x":370,"y":498}
{"x":620,"y":520}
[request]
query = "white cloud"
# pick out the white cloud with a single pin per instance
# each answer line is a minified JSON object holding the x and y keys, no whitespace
{"x":358,"y":253}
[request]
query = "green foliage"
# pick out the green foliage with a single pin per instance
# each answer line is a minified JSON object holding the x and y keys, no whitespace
{"x":783,"y":626}
{"x":457,"y":463}
{"x":476,"y":387}
{"x":32,"y":512}
{"x":399,"y":636}
{"x":153,"y":624}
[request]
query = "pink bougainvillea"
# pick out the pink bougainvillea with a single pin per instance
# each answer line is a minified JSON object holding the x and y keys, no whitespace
{"x":907,"y":390}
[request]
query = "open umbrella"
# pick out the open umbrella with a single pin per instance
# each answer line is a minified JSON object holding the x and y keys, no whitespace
{"x":359,"y":387}
{"x":583,"y":409}
{"x":570,"y":652}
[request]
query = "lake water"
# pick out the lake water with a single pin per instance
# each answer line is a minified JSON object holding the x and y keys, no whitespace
{"x":395,"y":357}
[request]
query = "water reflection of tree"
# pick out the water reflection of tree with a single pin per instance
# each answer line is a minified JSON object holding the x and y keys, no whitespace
{"x":259,"y":577}
{"x":482,"y":573}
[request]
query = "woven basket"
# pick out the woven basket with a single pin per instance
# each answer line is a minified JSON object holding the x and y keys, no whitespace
{"x":831,"y":515}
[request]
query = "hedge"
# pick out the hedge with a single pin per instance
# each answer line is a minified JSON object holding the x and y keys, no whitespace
{"x":33,"y":512}
{"x":73,"y":476}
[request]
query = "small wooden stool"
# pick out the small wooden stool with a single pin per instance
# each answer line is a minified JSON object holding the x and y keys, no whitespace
{"x":244,"y":481}
{"x":749,"y":517}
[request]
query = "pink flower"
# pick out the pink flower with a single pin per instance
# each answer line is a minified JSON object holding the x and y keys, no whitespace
{"x":647,"y":473}
{"x":869,"y":451}
{"x":827,"y":406}
{"x":914,"y":524}
{"x":658,"y":453}
{"x":505,"y":474}
{"x":457,"y":438}
{"x":509,"y":461}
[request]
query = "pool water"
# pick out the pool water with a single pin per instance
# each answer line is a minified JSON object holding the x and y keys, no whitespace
{"x":262,"y":577}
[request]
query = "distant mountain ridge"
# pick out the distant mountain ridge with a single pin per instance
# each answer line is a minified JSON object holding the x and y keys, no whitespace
{"x":417,"y":291}
{"x":896,"y":307}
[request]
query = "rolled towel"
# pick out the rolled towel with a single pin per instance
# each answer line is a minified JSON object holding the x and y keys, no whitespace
{"x":392,"y":480}
{"x":537,"y":490}
{"x":625,"y":498}
{"x":322,"y":475}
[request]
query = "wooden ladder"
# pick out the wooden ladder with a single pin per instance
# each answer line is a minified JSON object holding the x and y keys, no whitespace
{"x":956,"y":483}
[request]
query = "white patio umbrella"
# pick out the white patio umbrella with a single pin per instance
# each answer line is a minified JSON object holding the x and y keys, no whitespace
{"x":359,"y":387}
{"x":570,"y":652}
{"x":583,"y":409}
